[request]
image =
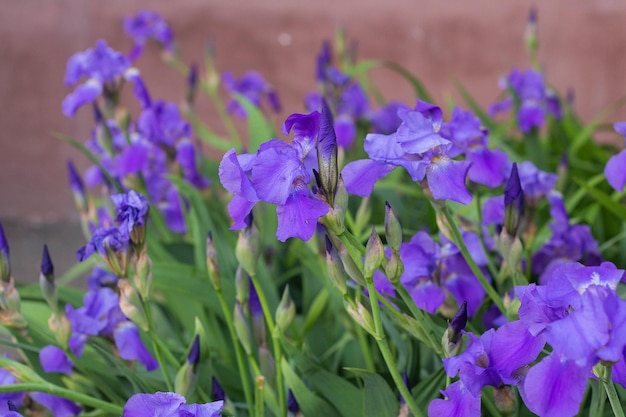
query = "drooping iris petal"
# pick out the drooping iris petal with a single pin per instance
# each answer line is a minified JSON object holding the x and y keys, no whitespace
{"x":54,"y":359}
{"x":615,"y":172}
{"x":202,"y":410}
{"x":234,"y":178}
{"x":159,"y":404}
{"x":446,"y":180}
{"x":130,"y":346}
{"x":274,"y":171}
{"x":512,"y":347}
{"x":238,"y":209}
{"x":345,"y":127}
{"x":487,"y":166}
{"x":186,"y":157}
{"x":298,"y":216}
{"x":460,"y":402}
{"x":60,"y":407}
{"x":554,"y":387}
{"x":83,"y":94}
{"x":427,"y":295}
{"x":360,"y":176}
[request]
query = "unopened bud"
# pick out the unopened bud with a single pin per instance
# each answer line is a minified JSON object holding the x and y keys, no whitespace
{"x":286,"y":311}
{"x":186,"y":378}
{"x":12,"y":319}
{"x":216,"y":390}
{"x":247,"y":249}
{"x":5,"y":264}
{"x":78,"y":188}
{"x":362,"y":316}
{"x":242,"y":329}
{"x":531,"y":39}
{"x":192,"y":84}
{"x":211,"y":262}
{"x":513,"y":202}
{"x":374,"y":254}
{"x":46,"y":280}
{"x":327,"y":155}
{"x":130,"y":304}
{"x":393,"y":229}
{"x":143,"y":274}
{"x":9,"y":296}
{"x":242,"y":286}
{"x":61,"y":327}
{"x":335,"y":268}
{"x":452,"y":335}
{"x":394,"y":268}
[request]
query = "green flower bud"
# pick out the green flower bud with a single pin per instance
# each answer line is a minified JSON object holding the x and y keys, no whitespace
{"x":143,"y":273}
{"x":211,"y":262}
{"x":242,"y":286}
{"x":394,"y":268}
{"x":286,"y":311}
{"x":242,"y":329}
{"x":130,"y":304}
{"x":393,"y":229}
{"x":374,"y":254}
{"x":247,"y":249}
{"x":335,"y":268}
{"x":362,"y":316}
{"x":61,"y":327}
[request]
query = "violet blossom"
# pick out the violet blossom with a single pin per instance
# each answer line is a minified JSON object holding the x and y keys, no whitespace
{"x":146,"y":25}
{"x":253,"y":87}
{"x":416,"y":146}
{"x":168,"y":404}
{"x":614,"y":169}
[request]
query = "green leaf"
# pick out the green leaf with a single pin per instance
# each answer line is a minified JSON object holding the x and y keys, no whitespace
{"x":310,"y":404}
{"x":343,"y":395}
{"x":604,"y":199}
{"x":585,"y":135}
{"x":428,"y":388}
{"x":207,"y":135}
{"x":419,"y":88}
{"x":259,"y":129}
{"x":379,"y":400}
{"x":317,"y":308}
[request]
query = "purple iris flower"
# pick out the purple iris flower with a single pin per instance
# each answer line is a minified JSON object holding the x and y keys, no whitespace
{"x":279,"y":174}
{"x":536,"y":184}
{"x":162,"y":124}
{"x":168,"y":404}
{"x":469,"y":137}
{"x":60,"y":407}
{"x":131,"y":208}
{"x":101,"y":315}
{"x":100,"y":277}
{"x":495,"y":358}
{"x":460,"y":402}
{"x":531,"y":97}
{"x":416,"y":146}
{"x":102,"y":66}
{"x":569,"y":242}
{"x":386,"y":120}
{"x":186,"y":157}
{"x":104,"y":241}
{"x":146,"y":25}
{"x":54,"y":359}
{"x":614,"y":170}
{"x":6,"y":378}
{"x":430,"y":271}
{"x":580,"y":314}
{"x":253,"y":87}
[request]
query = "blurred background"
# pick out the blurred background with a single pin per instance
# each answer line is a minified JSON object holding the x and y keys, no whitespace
{"x":581,"y":48}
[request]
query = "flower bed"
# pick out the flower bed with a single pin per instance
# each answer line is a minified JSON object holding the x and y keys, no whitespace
{"x":368,"y":260}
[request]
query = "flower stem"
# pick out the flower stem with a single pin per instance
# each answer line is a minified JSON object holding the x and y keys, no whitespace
{"x":609,"y":387}
{"x":243,"y":372}
{"x":282,"y":401}
{"x":365,"y":346}
{"x":458,"y":240}
{"x":74,"y":396}
{"x":383,"y":346}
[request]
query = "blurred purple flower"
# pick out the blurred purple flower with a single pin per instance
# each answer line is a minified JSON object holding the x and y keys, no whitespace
{"x":459,"y":402}
{"x":253,"y":87}
{"x":132,"y":209}
{"x":168,"y":404}
{"x":162,"y":124}
{"x":102,"y":66}
{"x":60,"y":407}
{"x":614,"y":170}
{"x":146,"y":25}
{"x":186,"y":157}
{"x":54,"y":359}
{"x":531,"y":97}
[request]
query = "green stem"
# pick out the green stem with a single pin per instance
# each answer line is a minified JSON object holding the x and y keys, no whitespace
{"x":365,"y":346}
{"x":609,"y":387}
{"x":74,"y":396}
{"x":383,"y":346}
{"x":458,"y":240}
{"x":156,"y":346}
{"x":269,"y":319}
{"x":259,"y":409}
{"x":243,"y":372}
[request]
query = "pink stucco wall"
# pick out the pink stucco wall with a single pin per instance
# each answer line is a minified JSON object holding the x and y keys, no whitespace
{"x":582,"y":47}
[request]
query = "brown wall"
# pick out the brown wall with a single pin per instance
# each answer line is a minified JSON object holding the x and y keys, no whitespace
{"x":581,"y":47}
